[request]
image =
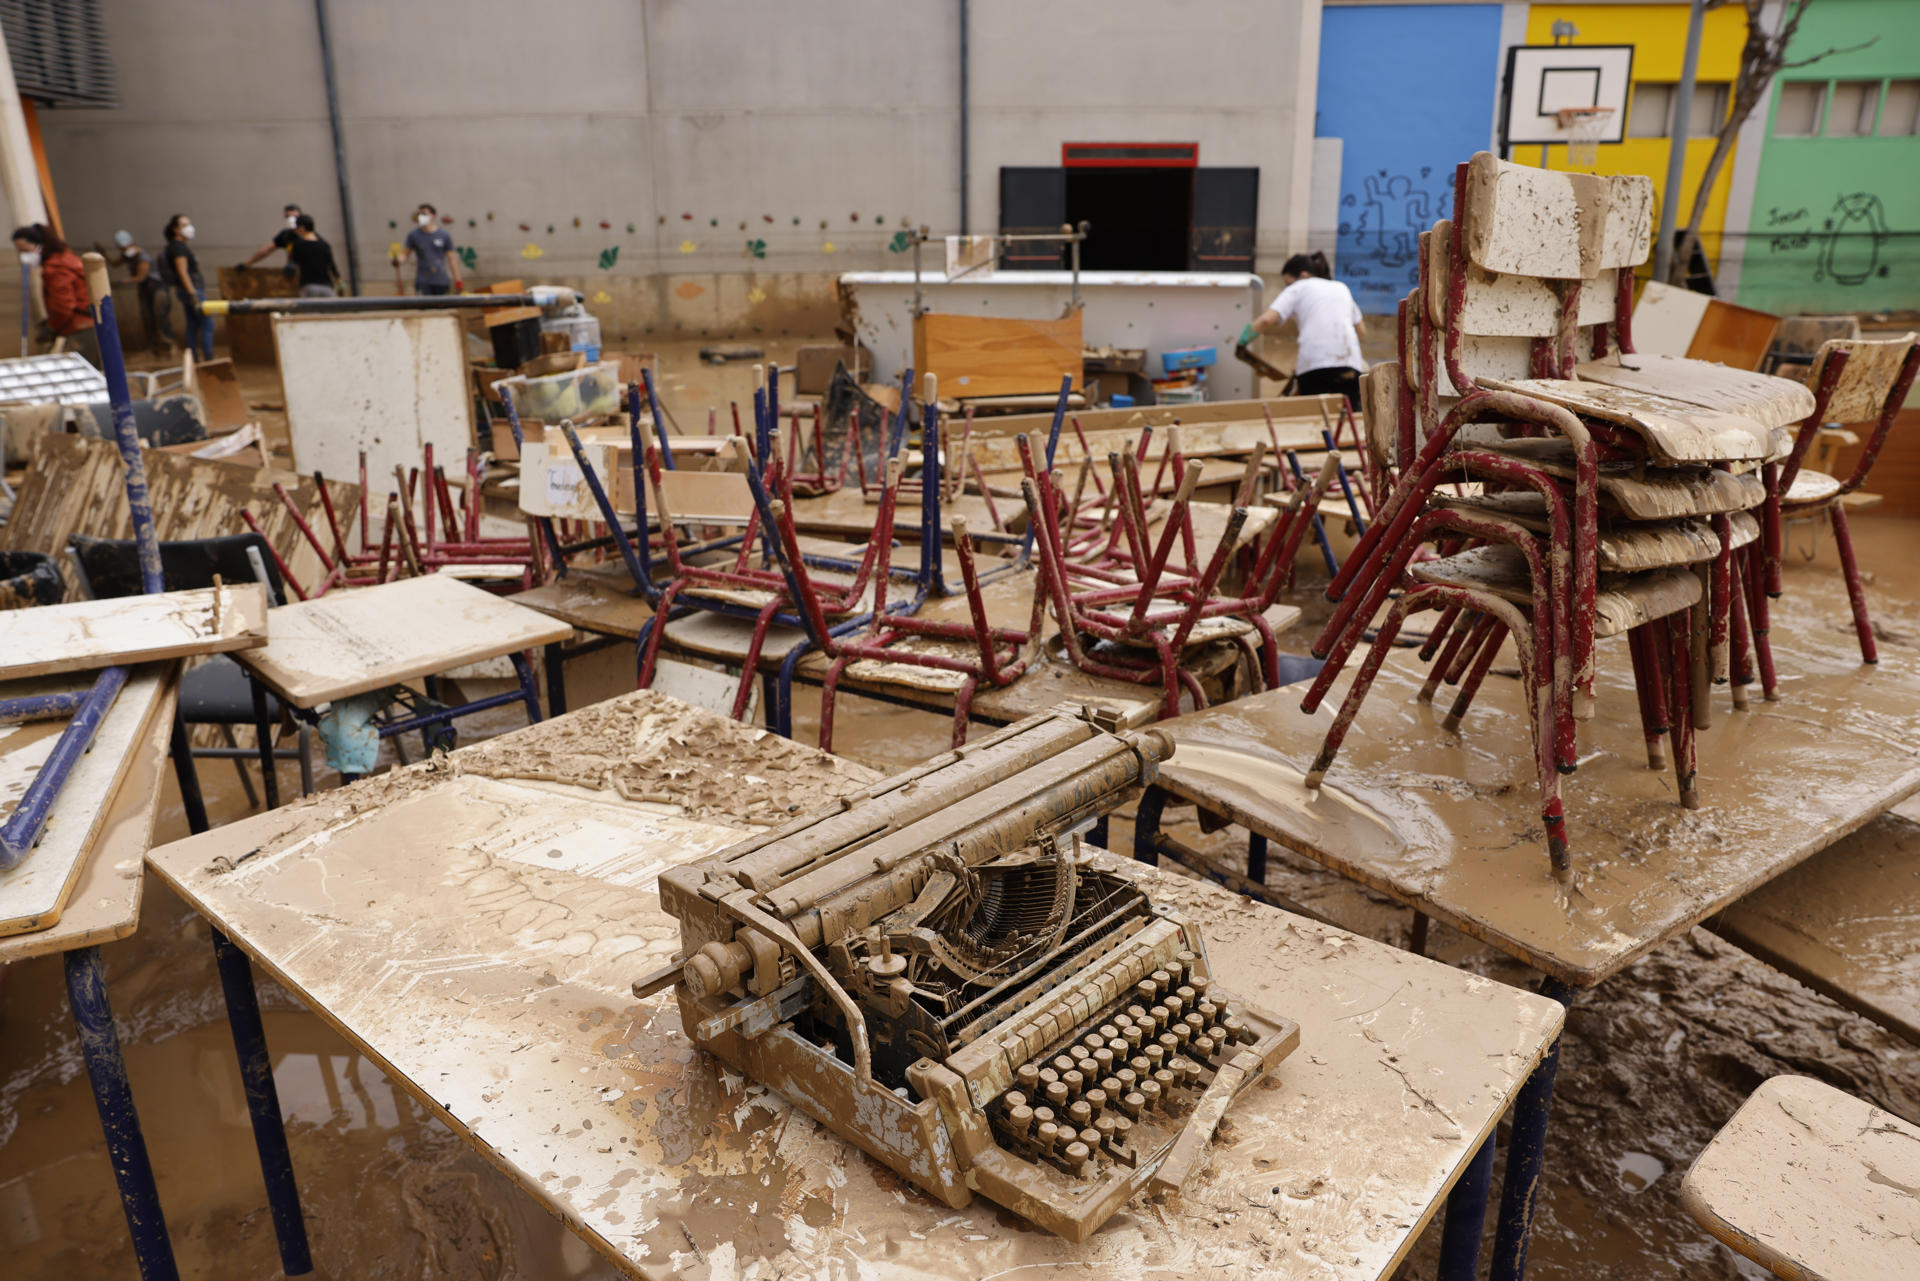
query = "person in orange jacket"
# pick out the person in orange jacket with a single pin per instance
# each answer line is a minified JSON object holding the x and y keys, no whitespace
{"x":63,"y":282}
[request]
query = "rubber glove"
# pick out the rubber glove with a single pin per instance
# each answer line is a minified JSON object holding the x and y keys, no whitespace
{"x":1247,"y":336}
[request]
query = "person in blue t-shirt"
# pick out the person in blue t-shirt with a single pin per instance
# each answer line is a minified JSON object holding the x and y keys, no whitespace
{"x":431,"y":246}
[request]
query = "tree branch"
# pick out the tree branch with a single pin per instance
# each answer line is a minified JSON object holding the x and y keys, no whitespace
{"x":1852,"y":48}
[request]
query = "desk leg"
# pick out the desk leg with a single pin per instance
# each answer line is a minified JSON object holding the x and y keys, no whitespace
{"x":1526,"y":1153}
{"x":113,"y":1099}
{"x":529,"y":688}
{"x":1256,"y":857}
{"x":1467,"y":1216}
{"x":263,"y":1103}
{"x":263,"y":730}
{"x":181,"y":749}
{"x":554,"y":658}
{"x":1146,"y":825}
{"x":1097,"y":834}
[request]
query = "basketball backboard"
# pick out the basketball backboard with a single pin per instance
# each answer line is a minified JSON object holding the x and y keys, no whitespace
{"x":1544,"y":80}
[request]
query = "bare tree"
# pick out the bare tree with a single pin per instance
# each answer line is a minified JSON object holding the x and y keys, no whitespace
{"x":1763,"y":55}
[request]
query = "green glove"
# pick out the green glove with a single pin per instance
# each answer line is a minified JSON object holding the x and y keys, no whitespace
{"x":1247,"y":336}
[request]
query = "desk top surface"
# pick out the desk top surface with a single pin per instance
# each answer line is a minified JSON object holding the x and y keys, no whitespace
{"x":474,"y":925}
{"x":1812,"y":1183}
{"x":1450,"y":823}
{"x":362,"y":639}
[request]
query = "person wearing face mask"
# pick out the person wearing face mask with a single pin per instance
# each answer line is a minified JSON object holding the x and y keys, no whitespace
{"x":282,"y":239}
{"x":183,"y":273}
{"x":63,"y":281}
{"x":431,"y":246}
{"x":156,"y":303}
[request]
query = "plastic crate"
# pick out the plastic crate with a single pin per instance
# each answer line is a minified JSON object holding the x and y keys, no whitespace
{"x":1188,"y":358}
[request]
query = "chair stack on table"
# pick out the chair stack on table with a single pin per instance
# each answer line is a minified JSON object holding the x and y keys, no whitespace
{"x":1589,"y":492}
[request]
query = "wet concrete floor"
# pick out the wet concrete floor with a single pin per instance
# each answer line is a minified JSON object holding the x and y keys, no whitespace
{"x":1653,"y":1064}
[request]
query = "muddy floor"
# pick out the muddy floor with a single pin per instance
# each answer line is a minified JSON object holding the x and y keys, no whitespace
{"x":1654,"y":1063}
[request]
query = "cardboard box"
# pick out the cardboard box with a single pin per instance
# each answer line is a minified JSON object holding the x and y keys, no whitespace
{"x":813,"y":366}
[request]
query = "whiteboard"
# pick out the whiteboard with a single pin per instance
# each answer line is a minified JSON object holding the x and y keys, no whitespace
{"x":388,"y":384}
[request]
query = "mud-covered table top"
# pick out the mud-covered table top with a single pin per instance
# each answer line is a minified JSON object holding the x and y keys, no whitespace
{"x":474,"y":925}
{"x":1449,"y":823}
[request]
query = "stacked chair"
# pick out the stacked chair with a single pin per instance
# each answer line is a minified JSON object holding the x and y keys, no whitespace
{"x":1572,"y":490}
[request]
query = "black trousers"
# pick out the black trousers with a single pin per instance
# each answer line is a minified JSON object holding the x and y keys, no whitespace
{"x":1318,"y":382}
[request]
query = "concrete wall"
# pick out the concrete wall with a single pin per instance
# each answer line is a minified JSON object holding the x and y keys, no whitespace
{"x":1836,"y":220}
{"x":697,"y":166}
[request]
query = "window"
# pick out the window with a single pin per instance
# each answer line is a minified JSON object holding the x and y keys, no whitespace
{"x":1651,"y":109}
{"x":1798,"y":115}
{"x":1650,"y":114}
{"x":1850,"y":112}
{"x":1900,"y":115}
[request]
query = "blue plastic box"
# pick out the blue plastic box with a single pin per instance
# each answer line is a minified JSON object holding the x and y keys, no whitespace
{"x":1188,"y":358}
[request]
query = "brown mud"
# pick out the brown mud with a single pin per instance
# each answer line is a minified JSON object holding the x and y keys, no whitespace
{"x":1653,"y":1063}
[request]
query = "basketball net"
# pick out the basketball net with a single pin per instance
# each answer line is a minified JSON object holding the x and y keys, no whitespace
{"x":1585,"y":127}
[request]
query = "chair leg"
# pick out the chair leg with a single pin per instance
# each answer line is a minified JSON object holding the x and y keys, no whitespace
{"x":963,"y":712}
{"x":1862,"y":625}
{"x":240,"y":768}
{"x":1740,"y":671}
{"x":1679,"y":628}
{"x":1477,"y":673}
{"x":304,"y":741}
{"x":1759,"y":612}
{"x":1652,"y":697}
{"x":1699,"y":659}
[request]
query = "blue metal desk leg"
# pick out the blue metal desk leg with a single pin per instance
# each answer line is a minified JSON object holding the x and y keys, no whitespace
{"x":1467,"y":1216}
{"x":263,"y":731}
{"x":529,"y":688}
{"x":1146,"y":825}
{"x":1526,"y":1153}
{"x":555,"y":660}
{"x":1097,"y":834}
{"x":263,"y":1102}
{"x":113,"y":1098}
{"x":184,"y":773}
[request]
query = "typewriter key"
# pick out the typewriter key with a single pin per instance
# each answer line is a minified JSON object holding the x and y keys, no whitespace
{"x":1150,"y":1092}
{"x":1057,"y":1094}
{"x":1077,"y":1156}
{"x":1074,"y":1081}
{"x":1096,"y":1100}
{"x":1133,"y":1102}
{"x":1020,"y":1120}
{"x":1080,"y":1113}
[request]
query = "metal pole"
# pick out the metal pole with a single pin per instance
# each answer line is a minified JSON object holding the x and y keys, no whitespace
{"x":1678,"y":134}
{"x":1526,"y":1154}
{"x":542,"y":296}
{"x":965,"y":170}
{"x":339,"y":144}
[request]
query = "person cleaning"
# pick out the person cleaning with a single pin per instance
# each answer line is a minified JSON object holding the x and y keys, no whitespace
{"x":1329,"y":323}
{"x":63,"y":282}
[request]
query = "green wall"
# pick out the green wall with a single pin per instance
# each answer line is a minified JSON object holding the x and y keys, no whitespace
{"x":1836,"y":221}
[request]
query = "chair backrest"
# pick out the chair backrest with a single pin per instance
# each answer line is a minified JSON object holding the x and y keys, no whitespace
{"x":111,"y":566}
{"x":1873,"y":365}
{"x":1802,"y":336}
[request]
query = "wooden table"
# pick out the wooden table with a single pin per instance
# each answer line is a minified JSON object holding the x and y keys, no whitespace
{"x":367,"y":639}
{"x":1449,"y":824}
{"x":1846,"y":922}
{"x":475,"y":932}
{"x":102,"y":828}
{"x":1812,"y":1184}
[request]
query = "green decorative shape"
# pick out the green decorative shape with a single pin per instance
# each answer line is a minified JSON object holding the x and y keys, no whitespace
{"x":392,"y":225}
{"x":549,"y":229}
{"x":467,"y":256}
{"x":758,"y":248}
{"x":629,"y":229}
{"x":608,"y":257}
{"x":900,"y":243}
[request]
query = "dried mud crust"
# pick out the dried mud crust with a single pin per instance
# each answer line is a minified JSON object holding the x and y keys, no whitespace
{"x":647,"y":746}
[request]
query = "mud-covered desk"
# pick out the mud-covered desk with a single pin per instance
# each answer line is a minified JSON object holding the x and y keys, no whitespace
{"x":474,"y":925}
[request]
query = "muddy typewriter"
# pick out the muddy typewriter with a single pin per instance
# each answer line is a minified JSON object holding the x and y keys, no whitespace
{"x":940,"y":972}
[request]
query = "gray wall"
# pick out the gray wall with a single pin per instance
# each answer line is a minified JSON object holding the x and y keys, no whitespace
{"x":745,"y":115}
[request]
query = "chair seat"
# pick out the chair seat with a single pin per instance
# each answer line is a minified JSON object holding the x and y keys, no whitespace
{"x":1625,"y":547}
{"x":1622,"y":602}
{"x":1674,"y":431}
{"x":1810,"y":487}
{"x":1770,"y":401}
{"x":218,"y":692}
{"x":1641,"y":493}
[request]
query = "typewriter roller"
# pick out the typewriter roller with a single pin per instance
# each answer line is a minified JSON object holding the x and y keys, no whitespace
{"x":938,"y":971}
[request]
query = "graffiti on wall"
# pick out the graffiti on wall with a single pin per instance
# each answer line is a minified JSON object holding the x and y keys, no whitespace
{"x":1848,"y":246}
{"x":1380,"y":226}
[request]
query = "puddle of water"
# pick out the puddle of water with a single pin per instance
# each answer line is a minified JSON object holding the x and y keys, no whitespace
{"x":1638,"y":1171}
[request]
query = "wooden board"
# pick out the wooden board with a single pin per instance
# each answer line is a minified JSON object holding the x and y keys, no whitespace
{"x":1736,"y":336}
{"x":1846,"y":922}
{"x":599,"y":600}
{"x":1666,"y":319}
{"x":1674,"y":432}
{"x":1450,"y":824}
{"x":1000,"y":455}
{"x":1868,"y":377}
{"x":1813,"y":1184}
{"x":219,"y":386}
{"x":1769,"y":401}
{"x":354,"y":642}
{"x":996,"y":355}
{"x":104,"y":902}
{"x":1654,"y":495}
{"x":491,"y":981}
{"x":1501,"y":570}
{"x":78,"y":486}
{"x":1314,"y":410}
{"x":131,"y":629}
{"x":250,"y":338}
{"x":1523,"y":221}
{"x":34,"y":894}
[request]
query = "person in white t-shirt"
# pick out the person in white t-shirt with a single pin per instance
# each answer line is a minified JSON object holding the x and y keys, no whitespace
{"x":1330,"y":326}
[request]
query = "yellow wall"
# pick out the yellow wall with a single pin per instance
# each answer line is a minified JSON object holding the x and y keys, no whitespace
{"x":1658,"y":33}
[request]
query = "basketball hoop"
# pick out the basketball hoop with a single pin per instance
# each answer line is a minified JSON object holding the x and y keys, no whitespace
{"x":1585,"y":127}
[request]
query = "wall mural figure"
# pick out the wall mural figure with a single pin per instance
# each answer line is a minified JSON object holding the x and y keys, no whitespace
{"x":1395,"y":214}
{"x":1850,"y":249}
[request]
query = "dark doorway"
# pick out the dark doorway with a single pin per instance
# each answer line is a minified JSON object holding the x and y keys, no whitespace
{"x":1140,"y":217}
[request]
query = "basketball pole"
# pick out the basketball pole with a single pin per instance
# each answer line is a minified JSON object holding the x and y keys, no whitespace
{"x":1677,"y":137}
